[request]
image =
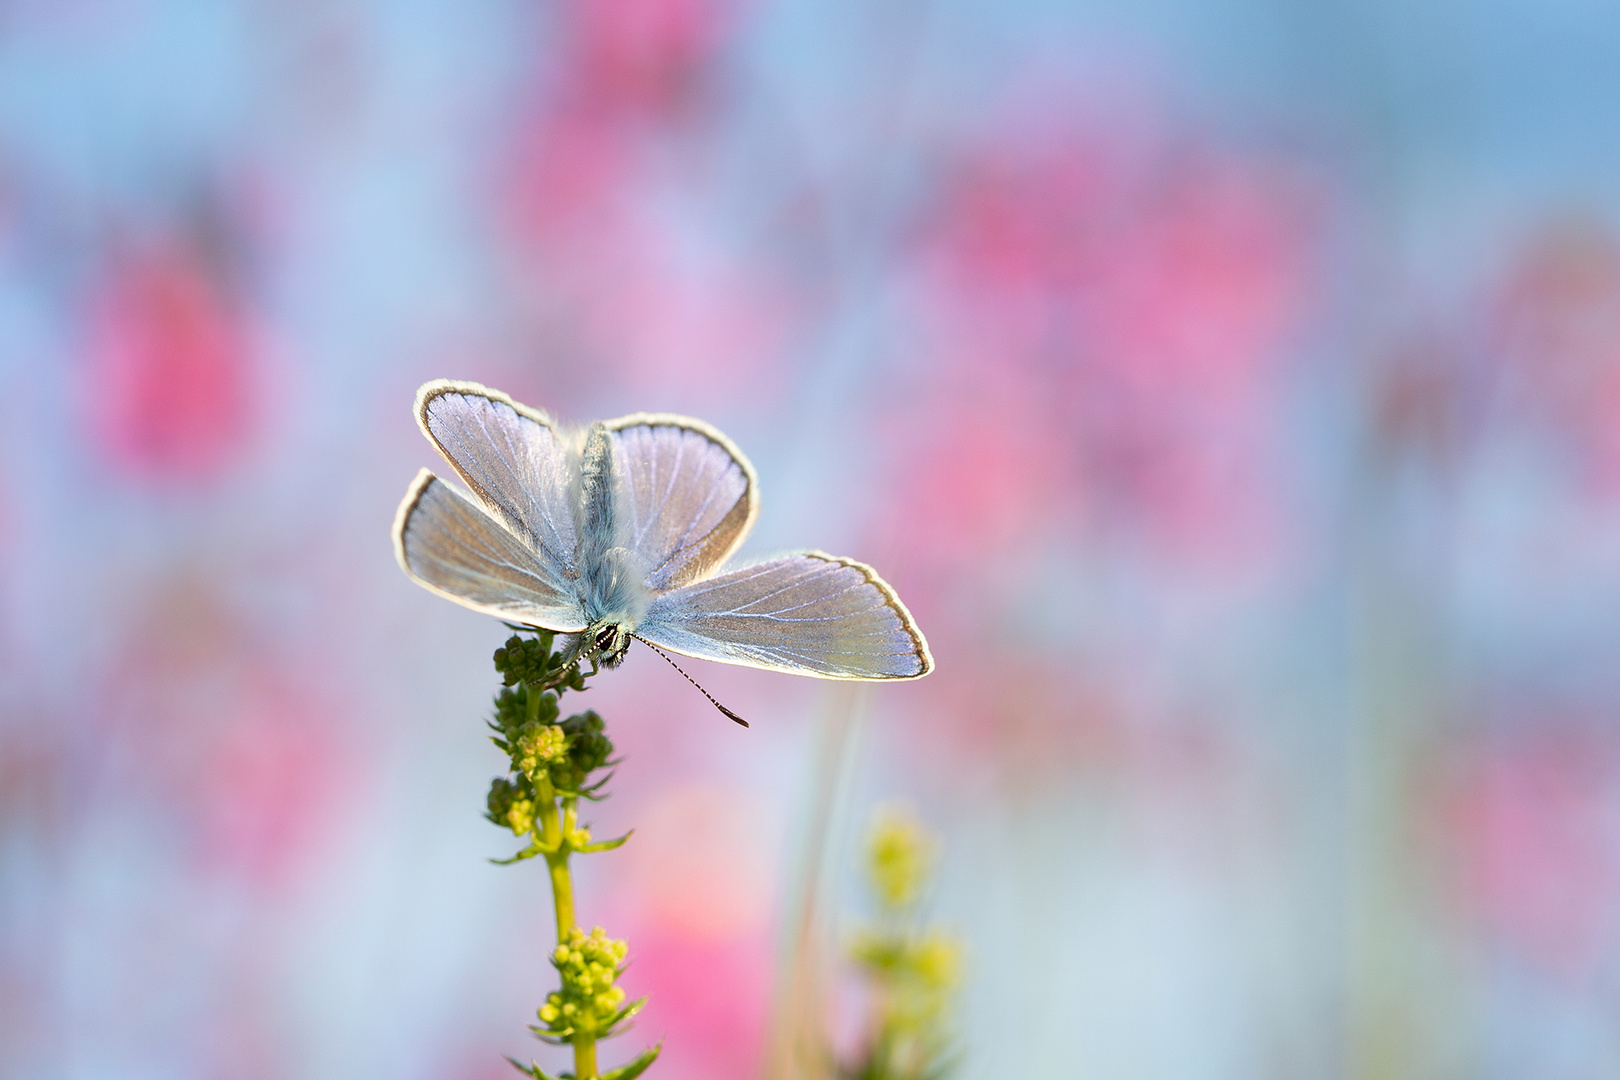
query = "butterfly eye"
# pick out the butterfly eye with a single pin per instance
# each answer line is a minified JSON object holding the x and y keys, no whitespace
{"x":606,"y":637}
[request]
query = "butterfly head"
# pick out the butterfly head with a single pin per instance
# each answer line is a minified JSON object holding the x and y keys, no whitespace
{"x":606,"y":641}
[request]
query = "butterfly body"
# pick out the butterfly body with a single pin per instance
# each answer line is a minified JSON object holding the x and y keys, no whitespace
{"x":620,"y":533}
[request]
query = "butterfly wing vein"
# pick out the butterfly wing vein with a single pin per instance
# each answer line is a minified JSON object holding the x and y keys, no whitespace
{"x":687,"y":494}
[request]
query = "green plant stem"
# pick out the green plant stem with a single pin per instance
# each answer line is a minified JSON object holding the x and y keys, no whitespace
{"x":585,"y":1057}
{"x":562,"y":895}
{"x":562,"y":884}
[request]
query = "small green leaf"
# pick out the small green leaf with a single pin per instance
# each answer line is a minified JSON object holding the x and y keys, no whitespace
{"x":531,"y":1069}
{"x":527,"y":853}
{"x":624,"y":1014}
{"x":588,"y":792}
{"x":636,"y":1066}
{"x":606,"y":845}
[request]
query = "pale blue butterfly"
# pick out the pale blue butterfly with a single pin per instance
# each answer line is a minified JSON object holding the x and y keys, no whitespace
{"x":617,"y":534}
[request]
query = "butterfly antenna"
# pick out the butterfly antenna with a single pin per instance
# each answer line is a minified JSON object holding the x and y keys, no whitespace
{"x":691,"y":680}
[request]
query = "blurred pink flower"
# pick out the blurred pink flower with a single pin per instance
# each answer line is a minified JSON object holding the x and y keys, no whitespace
{"x":1141,"y":304}
{"x":643,"y":58}
{"x":1419,"y":402}
{"x":629,"y":292}
{"x":999,"y":720}
{"x":693,"y":892}
{"x":168,"y":372}
{"x":980,"y":467}
{"x":701,"y":866}
{"x":709,"y":998}
{"x":628,"y":71}
{"x":269,"y":780}
{"x":203,"y":722}
{"x":1557,"y":330}
{"x":1532,"y":825}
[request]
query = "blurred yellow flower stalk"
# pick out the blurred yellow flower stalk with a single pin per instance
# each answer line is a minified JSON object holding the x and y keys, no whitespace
{"x":913,"y":969}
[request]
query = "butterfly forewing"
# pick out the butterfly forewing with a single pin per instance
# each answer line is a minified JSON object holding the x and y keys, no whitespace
{"x":684,"y":496}
{"x":807,"y":614}
{"x":459,"y":551}
{"x":511,"y":457}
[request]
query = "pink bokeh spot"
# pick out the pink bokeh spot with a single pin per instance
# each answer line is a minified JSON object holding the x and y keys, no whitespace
{"x":168,"y":366}
{"x":567,"y":171}
{"x":693,"y":892}
{"x":624,"y":290}
{"x":1556,"y":326}
{"x":634,"y":69}
{"x":1037,"y":723}
{"x":1143,"y":302}
{"x":204,"y":724}
{"x":644,"y":57}
{"x":269,"y":782}
{"x":709,"y":997}
{"x":1534,"y":831}
{"x":978,"y":470}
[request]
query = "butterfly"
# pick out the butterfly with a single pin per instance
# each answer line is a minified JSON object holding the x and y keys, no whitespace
{"x":620,"y":533}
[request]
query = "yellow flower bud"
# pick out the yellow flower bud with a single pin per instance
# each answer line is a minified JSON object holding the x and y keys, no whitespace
{"x":588,"y":1000}
{"x":520,"y":816}
{"x":937,"y":961}
{"x":900,"y":855}
{"x":537,"y":746}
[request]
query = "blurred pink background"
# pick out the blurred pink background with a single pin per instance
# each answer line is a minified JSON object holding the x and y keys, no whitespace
{"x":1232,"y":391}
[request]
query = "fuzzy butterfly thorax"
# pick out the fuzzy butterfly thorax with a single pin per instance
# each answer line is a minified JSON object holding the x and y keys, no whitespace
{"x":626,"y":532}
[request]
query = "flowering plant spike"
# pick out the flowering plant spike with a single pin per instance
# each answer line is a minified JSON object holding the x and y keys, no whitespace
{"x":554,"y":764}
{"x":913,"y":969}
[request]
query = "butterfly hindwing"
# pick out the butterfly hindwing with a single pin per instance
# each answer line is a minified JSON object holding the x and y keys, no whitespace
{"x":807,"y":614}
{"x":451,"y":546}
{"x":512,"y":458}
{"x":684,"y":496}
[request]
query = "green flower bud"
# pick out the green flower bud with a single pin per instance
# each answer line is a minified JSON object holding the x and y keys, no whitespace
{"x":525,"y":659}
{"x":516,"y":708}
{"x":589,"y":747}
